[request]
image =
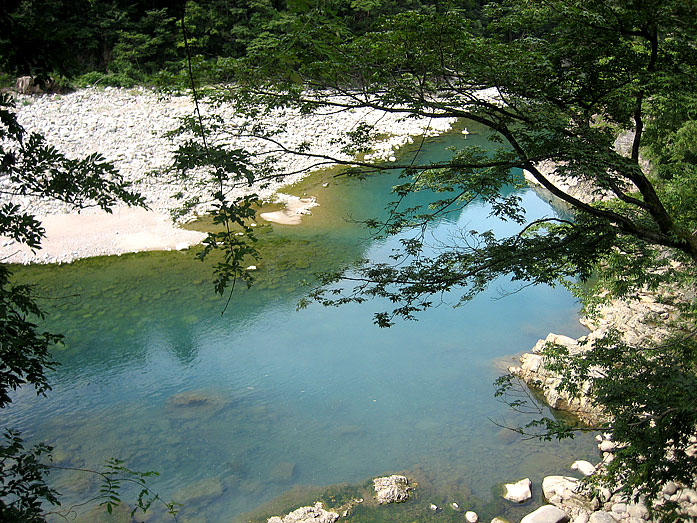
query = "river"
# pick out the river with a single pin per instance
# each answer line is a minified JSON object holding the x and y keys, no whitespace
{"x":234,"y":410}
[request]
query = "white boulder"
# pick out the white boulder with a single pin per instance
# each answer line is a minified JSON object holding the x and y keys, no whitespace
{"x":518,"y":492}
{"x":601,"y":517}
{"x":559,"y":488}
{"x":584,"y":467}
{"x":546,"y":514}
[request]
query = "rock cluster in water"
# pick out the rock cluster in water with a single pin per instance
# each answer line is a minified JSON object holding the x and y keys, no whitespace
{"x":314,"y":514}
{"x":391,"y":489}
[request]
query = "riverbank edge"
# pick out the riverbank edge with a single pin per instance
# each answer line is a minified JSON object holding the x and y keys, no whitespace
{"x":634,"y":320}
{"x":127,"y":127}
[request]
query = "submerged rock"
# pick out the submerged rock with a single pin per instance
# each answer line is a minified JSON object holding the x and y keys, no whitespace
{"x":283,"y":472}
{"x":200,"y":491}
{"x":314,"y":514}
{"x":391,"y":489}
{"x":193,"y":404}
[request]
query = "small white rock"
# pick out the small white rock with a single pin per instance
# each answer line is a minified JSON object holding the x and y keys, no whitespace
{"x":433,"y":507}
{"x":518,"y":492}
{"x":584,"y":467}
{"x":471,"y":517}
{"x":252,"y":268}
{"x":606,"y":446}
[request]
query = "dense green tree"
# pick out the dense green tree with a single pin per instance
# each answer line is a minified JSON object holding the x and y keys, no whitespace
{"x":554,"y":81}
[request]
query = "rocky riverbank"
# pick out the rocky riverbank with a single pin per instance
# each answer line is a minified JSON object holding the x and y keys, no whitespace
{"x":128,"y":126}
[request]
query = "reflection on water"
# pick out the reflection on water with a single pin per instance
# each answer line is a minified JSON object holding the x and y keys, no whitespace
{"x":235,"y":410}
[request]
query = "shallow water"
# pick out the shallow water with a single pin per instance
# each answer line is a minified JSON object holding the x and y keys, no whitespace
{"x":233,"y":410}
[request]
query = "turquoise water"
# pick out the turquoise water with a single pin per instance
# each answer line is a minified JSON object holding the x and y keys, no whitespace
{"x":234,"y":410}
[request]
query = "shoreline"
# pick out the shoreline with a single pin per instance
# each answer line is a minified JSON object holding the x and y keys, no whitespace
{"x":126,"y":126}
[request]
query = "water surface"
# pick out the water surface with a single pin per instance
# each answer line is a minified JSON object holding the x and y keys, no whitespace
{"x":234,"y":410}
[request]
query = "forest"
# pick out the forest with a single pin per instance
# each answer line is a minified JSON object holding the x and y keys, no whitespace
{"x":570,"y":76}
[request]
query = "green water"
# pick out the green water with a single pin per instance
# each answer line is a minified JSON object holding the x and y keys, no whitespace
{"x":235,"y":410}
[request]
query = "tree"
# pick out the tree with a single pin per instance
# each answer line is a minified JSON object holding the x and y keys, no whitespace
{"x":554,"y":81}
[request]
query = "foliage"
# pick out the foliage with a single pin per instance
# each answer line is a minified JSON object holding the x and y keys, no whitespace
{"x":122,"y":43}
{"x":22,"y":480}
{"x":115,"y":475}
{"x":554,"y":81}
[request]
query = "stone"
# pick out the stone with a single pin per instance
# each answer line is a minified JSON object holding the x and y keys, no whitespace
{"x":499,"y":520}
{"x":584,"y":467}
{"x":433,"y":507}
{"x":601,"y":517}
{"x":471,"y":517}
{"x":670,"y":488}
{"x":283,"y":472}
{"x":557,"y":488}
{"x":638,"y":511}
{"x":24,"y":84}
{"x":199,"y":491}
{"x":619,"y":508}
{"x":314,"y":514}
{"x":689,"y":495}
{"x":518,"y":492}
{"x":605,"y":494}
{"x":606,"y":446}
{"x":391,"y":489}
{"x":581,"y":518}
{"x":546,"y":514}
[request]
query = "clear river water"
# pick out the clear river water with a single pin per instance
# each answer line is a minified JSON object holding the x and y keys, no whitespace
{"x":233,"y":410}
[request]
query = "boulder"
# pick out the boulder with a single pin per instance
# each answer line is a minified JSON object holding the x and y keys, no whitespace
{"x":546,"y":514}
{"x":471,"y":517}
{"x":24,"y":84}
{"x":584,"y":467}
{"x":519,"y":492}
{"x":670,"y":488}
{"x":391,"y":489}
{"x":558,"y":488}
{"x":601,"y":517}
{"x":607,"y":446}
{"x":314,"y":514}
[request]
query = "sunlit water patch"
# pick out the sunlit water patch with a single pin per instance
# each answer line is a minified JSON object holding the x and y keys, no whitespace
{"x":234,"y":410}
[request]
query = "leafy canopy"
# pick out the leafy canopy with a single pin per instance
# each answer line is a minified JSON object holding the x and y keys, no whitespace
{"x":555,"y":82}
